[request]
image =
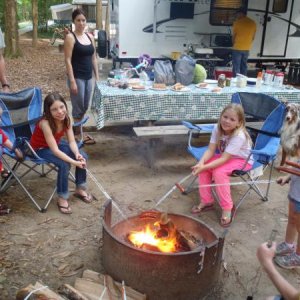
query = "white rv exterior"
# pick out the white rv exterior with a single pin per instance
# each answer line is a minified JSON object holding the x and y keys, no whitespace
{"x":133,"y":23}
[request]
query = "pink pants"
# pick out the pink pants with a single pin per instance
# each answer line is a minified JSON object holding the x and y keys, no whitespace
{"x":219,"y":175}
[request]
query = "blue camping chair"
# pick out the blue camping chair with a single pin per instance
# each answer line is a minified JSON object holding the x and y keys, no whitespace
{"x":266,"y":114}
{"x":21,"y":111}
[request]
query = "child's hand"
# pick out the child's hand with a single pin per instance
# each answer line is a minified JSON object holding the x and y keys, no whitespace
{"x":196,"y":169}
{"x":19,"y":154}
{"x":80,"y":164}
{"x":283,"y":180}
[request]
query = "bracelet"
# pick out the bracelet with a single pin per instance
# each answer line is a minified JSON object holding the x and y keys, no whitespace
{"x":5,"y":85}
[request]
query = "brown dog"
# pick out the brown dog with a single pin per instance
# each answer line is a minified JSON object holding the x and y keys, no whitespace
{"x":290,"y":132}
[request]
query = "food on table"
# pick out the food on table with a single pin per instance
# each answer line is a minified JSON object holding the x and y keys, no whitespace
{"x":138,"y":87}
{"x":200,"y":74}
{"x":216,"y":89}
{"x":159,"y":86}
{"x":178,"y":86}
{"x":202,"y":84}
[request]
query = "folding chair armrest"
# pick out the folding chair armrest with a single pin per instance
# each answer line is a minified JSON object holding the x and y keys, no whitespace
{"x":205,"y":128}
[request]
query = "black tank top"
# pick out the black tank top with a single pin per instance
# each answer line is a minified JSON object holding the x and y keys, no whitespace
{"x":82,"y":59}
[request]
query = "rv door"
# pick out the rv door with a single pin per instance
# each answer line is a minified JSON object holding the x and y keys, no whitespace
{"x":276,"y":27}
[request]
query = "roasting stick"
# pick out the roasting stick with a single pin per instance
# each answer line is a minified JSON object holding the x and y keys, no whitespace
{"x":178,"y":185}
{"x":106,"y":195}
{"x":290,"y":170}
{"x":123,"y":291}
{"x":172,"y":189}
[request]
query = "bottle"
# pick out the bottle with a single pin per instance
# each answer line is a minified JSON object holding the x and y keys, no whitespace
{"x":221,"y":80}
{"x":258,"y":80}
{"x":278,"y":79}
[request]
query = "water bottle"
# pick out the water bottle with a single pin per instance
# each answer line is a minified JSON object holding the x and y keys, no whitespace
{"x":258,"y":80}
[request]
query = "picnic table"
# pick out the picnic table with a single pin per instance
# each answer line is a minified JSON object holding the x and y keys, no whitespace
{"x":113,"y":104}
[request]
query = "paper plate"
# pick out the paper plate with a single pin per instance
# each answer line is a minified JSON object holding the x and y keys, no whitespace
{"x":157,"y":89}
{"x":185,"y":89}
{"x":133,"y":89}
{"x":202,"y":87}
{"x":211,"y":81}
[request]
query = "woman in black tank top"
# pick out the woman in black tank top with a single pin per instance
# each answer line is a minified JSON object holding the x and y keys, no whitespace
{"x":81,"y":62}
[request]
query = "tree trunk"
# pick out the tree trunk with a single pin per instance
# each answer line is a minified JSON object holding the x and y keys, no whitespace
{"x":99,"y":14}
{"x":12,"y":48}
{"x":34,"y":23}
{"x":107,"y":20}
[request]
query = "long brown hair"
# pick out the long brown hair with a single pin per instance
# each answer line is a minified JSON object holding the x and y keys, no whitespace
{"x":48,"y":101}
{"x":241,"y":117}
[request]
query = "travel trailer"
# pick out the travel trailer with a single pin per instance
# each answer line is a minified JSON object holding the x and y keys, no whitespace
{"x":202,"y":27}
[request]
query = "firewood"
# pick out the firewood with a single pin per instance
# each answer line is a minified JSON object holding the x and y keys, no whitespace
{"x":99,"y":278}
{"x":71,"y":293}
{"x":44,"y":294}
{"x":90,"y":289}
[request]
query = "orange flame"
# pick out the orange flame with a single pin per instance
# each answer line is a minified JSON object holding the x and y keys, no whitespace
{"x":148,"y":236}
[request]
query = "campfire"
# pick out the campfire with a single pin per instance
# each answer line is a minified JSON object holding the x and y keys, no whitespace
{"x":162,"y":235}
{"x":164,"y":256}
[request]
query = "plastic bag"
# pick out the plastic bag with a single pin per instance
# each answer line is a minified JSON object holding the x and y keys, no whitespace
{"x":184,"y":69}
{"x":163,"y":72}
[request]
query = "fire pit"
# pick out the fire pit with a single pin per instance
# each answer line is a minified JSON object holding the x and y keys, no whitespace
{"x":188,"y":271}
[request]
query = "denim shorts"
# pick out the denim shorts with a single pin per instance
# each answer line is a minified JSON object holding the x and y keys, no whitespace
{"x":296,"y":204}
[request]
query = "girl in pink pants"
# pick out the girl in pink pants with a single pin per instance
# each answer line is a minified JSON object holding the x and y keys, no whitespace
{"x":230,"y":139}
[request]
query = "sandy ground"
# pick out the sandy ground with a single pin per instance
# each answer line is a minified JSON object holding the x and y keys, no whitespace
{"x":55,"y":248}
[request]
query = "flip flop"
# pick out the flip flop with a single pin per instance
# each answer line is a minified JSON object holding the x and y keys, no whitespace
{"x":87,"y":198}
{"x":66,"y":211}
{"x":197,"y":210}
{"x":88,"y":140}
{"x":5,"y":173}
{"x":227,"y":220}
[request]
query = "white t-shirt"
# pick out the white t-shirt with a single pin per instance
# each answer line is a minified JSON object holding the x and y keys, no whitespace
{"x":237,"y":145}
{"x":2,"y":43}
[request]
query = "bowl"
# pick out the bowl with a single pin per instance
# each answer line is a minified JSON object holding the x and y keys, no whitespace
{"x":251,"y":81}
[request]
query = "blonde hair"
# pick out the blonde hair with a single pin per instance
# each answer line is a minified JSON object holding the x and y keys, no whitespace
{"x":241,"y":117}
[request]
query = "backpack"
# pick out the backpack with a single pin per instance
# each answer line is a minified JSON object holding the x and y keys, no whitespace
{"x":163,"y":72}
{"x":184,"y":69}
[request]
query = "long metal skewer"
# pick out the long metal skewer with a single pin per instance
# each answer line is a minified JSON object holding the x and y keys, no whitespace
{"x":106,"y":195}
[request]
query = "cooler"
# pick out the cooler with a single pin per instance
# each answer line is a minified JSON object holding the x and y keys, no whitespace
{"x":227,"y":71}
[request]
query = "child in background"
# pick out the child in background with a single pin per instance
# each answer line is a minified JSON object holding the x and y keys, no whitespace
{"x":233,"y":143}
{"x":287,"y":254}
{"x":46,"y":141}
{"x":5,"y":142}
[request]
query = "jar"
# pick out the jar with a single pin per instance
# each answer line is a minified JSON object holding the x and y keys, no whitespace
{"x":241,"y":81}
{"x":228,"y":81}
{"x":278,"y":79}
{"x":221,"y":80}
{"x":269,"y":74}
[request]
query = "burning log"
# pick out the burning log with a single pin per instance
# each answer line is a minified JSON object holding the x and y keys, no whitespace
{"x":162,"y":235}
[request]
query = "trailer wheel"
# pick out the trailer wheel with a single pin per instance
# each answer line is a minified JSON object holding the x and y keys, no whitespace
{"x":102,"y":43}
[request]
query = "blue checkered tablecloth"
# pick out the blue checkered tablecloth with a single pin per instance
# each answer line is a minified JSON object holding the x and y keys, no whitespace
{"x":115,"y":104}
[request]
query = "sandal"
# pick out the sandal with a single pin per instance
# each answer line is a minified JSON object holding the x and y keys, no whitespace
{"x":227,"y":217}
{"x":64,"y":209}
{"x":85,"y":198}
{"x":88,"y":140}
{"x":197,"y":209}
{"x":5,"y":173}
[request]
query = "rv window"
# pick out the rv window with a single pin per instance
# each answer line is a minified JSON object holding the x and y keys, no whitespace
{"x":182,"y":10}
{"x":280,"y":6}
{"x":222,"y":12}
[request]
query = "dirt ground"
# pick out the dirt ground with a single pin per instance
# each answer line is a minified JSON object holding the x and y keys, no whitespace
{"x":55,"y":248}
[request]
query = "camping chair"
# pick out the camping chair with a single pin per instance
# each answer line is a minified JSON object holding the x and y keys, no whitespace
{"x":21,"y":111}
{"x":261,"y":111}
